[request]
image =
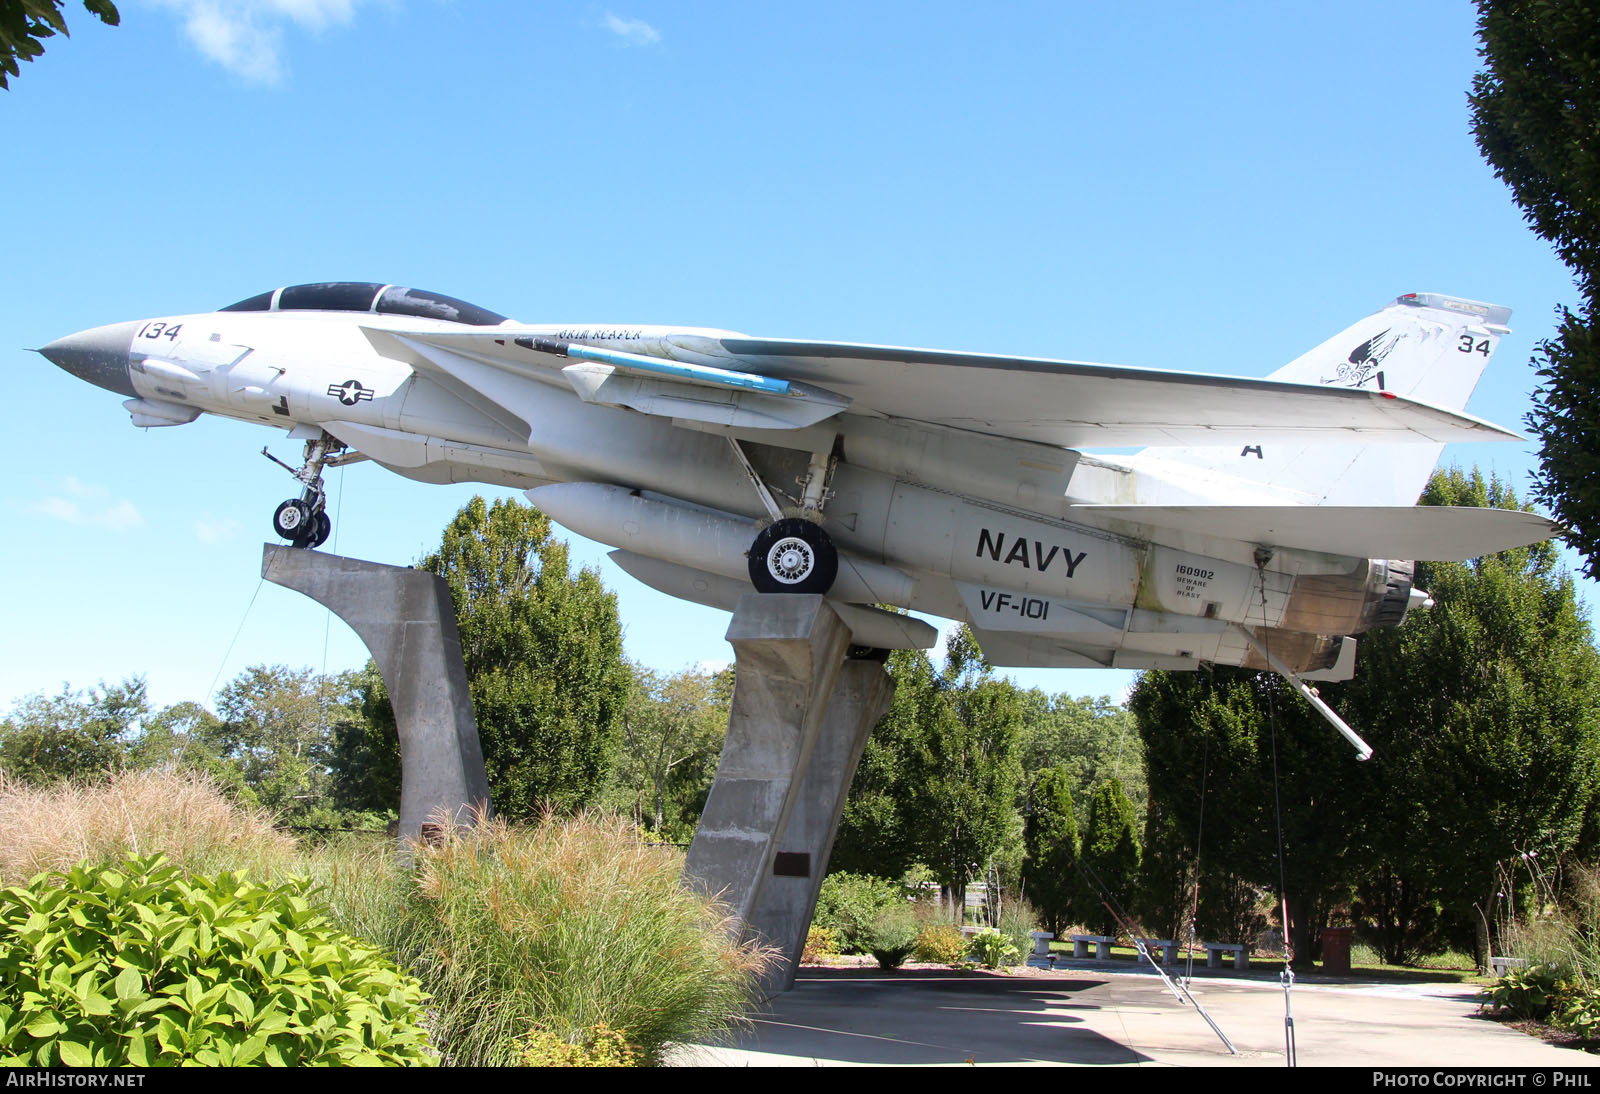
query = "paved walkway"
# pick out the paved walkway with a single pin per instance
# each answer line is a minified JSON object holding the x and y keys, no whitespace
{"x":1089,"y":1016}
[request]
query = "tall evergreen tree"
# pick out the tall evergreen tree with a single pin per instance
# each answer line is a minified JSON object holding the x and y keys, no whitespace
{"x":1110,"y":856}
{"x":1536,"y":116}
{"x":543,"y":653}
{"x":1050,"y":842}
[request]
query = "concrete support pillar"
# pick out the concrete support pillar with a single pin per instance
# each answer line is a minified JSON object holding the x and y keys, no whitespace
{"x":789,"y":899}
{"x":408,"y":622}
{"x":788,"y":651}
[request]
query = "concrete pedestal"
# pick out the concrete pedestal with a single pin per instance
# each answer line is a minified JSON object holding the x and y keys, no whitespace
{"x":800,"y":719}
{"x":408,"y":622}
{"x":789,"y":898}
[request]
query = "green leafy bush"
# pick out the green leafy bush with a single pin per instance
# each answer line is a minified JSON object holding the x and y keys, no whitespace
{"x":137,"y":964}
{"x":991,"y":949}
{"x":850,"y":903}
{"x":601,"y":1046}
{"x":1018,"y":921}
{"x":821,"y":944}
{"x":1527,"y":993}
{"x":893,"y":936}
{"x":941,"y":944}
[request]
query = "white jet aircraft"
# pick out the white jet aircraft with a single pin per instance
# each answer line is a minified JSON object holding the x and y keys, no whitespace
{"x":1265,"y":523}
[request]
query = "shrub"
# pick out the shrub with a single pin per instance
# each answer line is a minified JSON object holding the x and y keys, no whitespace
{"x":941,"y":944}
{"x":821,"y":944}
{"x":562,"y":928}
{"x":181,"y":814}
{"x":991,"y":949}
{"x":850,"y":903}
{"x":893,"y":936}
{"x":103,"y":967}
{"x":600,"y":1046}
{"x":1527,"y":993}
{"x":1018,"y":921}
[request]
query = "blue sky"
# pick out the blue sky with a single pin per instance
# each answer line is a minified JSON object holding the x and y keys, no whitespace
{"x":1206,"y":187}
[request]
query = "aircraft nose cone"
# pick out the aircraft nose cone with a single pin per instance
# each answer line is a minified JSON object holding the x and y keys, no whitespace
{"x":99,"y":356}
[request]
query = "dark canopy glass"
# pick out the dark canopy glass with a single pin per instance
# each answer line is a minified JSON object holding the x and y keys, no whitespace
{"x":369,"y":296}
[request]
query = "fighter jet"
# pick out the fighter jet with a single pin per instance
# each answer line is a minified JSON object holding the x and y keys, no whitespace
{"x":1264,"y":522}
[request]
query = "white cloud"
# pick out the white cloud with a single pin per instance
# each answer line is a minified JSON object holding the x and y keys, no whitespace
{"x":118,"y":516}
{"x":246,"y":36}
{"x":633,"y":32}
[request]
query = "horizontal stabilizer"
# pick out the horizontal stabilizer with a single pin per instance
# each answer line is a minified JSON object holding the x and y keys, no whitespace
{"x":1432,"y":533}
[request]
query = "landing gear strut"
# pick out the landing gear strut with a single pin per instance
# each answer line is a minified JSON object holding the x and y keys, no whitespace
{"x":793,"y":554}
{"x":303,"y":521}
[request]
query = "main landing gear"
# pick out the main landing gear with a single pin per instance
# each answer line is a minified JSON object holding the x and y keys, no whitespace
{"x":304,"y":521}
{"x":793,"y":554}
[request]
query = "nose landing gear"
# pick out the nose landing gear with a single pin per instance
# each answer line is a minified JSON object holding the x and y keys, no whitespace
{"x":303,"y":521}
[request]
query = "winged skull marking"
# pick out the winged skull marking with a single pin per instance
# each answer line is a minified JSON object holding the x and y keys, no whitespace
{"x":1365,"y":359}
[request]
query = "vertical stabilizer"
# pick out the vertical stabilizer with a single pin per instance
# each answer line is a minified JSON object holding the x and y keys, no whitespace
{"x":1424,"y":346}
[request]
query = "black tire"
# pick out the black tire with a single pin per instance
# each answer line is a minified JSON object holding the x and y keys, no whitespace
{"x":793,"y":556}
{"x":324,"y":529}
{"x":292,"y":519}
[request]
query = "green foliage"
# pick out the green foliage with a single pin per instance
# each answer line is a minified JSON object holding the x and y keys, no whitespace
{"x":1534,"y":111}
{"x":939,"y":781}
{"x":25,"y":24}
{"x":1092,"y":740}
{"x":71,"y":735}
{"x":1527,"y":992}
{"x":849,"y":904}
{"x":599,"y":1046}
{"x":940,"y":944}
{"x":822,"y":943}
{"x":276,"y":727}
{"x":1018,"y":921}
{"x":992,"y":949}
{"x":1050,"y":839}
{"x":543,"y":650}
{"x":1484,"y":714}
{"x":105,"y":967}
{"x":1110,"y":853}
{"x":893,"y":936}
{"x":672,"y":733}
{"x":560,"y":928}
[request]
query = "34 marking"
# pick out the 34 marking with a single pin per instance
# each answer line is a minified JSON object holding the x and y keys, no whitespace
{"x":160,"y":329}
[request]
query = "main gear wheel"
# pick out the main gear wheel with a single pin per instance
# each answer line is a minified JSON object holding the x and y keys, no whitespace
{"x":793,"y":556}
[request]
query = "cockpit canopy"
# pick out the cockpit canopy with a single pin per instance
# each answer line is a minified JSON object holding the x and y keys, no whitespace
{"x":370,"y":297}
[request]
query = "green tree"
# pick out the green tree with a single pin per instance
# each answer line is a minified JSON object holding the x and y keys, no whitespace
{"x":1110,"y":854}
{"x":1050,"y":841}
{"x":966,"y":774}
{"x":46,"y":738}
{"x":275,"y":727}
{"x":875,"y":836}
{"x":25,"y":24}
{"x":543,"y":653}
{"x":1092,"y":739}
{"x":672,"y":733}
{"x":1484,"y":714}
{"x":1536,"y":117}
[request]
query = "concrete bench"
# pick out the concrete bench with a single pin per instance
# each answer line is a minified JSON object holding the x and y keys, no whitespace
{"x":1102,"y":946}
{"x":1501,"y":965}
{"x":1215,"y":950}
{"x":1163,"y":950}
